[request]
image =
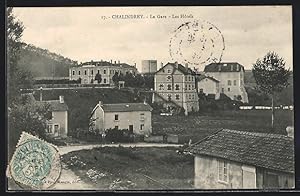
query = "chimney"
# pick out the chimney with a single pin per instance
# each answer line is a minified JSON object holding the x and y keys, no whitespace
{"x":186,"y":66}
{"x":61,"y":99}
{"x":110,"y":61}
{"x":100,"y":103}
{"x":176,"y":64}
{"x":290,"y":131}
{"x":162,"y":64}
{"x":118,"y":62}
{"x":41,"y":93}
{"x":135,"y":65}
{"x":115,"y":62}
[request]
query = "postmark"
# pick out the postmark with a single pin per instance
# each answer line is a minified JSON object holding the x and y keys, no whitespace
{"x":197,"y":43}
{"x":35,"y":163}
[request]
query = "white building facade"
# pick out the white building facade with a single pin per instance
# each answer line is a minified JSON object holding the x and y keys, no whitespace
{"x":88,"y":70}
{"x":177,"y":83}
{"x":208,"y":85}
{"x":231,"y":78}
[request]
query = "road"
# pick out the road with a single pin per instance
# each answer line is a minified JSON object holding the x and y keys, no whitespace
{"x":66,"y":149}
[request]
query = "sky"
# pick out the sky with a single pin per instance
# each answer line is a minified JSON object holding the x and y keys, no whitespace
{"x":81,"y":33}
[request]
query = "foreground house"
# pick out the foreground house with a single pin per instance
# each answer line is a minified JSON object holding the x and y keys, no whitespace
{"x":135,"y":117}
{"x":232,"y":159}
{"x":175,"y":86}
{"x":231,"y":78}
{"x":57,"y":126}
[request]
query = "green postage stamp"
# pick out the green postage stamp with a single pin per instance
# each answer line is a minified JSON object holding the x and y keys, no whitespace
{"x":35,"y":163}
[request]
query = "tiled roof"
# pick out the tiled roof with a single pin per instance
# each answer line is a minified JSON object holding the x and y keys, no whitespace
{"x":202,"y":77}
{"x":126,"y":107}
{"x":106,"y":63}
{"x":55,"y":105}
{"x":224,"y":67}
{"x":181,"y":68}
{"x":272,"y":151}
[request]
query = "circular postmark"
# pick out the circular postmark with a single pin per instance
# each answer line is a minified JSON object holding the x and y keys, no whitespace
{"x":197,"y":43}
{"x":35,"y":164}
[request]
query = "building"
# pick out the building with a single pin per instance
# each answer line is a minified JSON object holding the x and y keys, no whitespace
{"x":87,"y":71}
{"x":175,"y":85}
{"x":232,"y":159}
{"x":149,"y":66}
{"x":57,"y":126}
{"x":208,"y":86}
{"x":231,"y":78}
{"x":131,"y":116}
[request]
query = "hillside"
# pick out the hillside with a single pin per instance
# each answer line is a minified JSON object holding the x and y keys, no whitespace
{"x":42,"y":63}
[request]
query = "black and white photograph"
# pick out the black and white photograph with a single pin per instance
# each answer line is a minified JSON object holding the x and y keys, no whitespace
{"x":150,"y":98}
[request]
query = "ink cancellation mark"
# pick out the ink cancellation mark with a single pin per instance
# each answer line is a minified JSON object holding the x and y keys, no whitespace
{"x":197,"y":43}
{"x":35,"y":163}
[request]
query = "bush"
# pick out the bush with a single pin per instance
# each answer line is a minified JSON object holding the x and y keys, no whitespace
{"x":116,"y":135}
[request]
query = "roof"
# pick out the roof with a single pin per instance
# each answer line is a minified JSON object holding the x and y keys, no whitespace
{"x":181,"y":68}
{"x":224,"y":67}
{"x":124,"y":107}
{"x":106,"y":63}
{"x":55,"y":105}
{"x":271,"y":151}
{"x":202,"y":77}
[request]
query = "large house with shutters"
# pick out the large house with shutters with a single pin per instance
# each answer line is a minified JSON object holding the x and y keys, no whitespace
{"x":87,"y":71}
{"x":231,"y":79}
{"x":230,"y":159}
{"x":175,"y":86}
{"x":135,"y":117}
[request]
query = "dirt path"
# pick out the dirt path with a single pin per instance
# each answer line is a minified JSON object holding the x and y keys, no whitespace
{"x":66,"y":149}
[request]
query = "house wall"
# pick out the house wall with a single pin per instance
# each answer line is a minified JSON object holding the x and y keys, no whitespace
{"x":209,"y":87}
{"x":107,"y":72}
{"x":285,"y":180}
{"x":98,"y":117}
{"x":235,"y":90}
{"x":61,"y":118}
{"x":149,"y":66}
{"x":185,"y":96}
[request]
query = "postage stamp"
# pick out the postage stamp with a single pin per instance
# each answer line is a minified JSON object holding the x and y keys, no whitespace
{"x":35,"y":163}
{"x":197,"y":43}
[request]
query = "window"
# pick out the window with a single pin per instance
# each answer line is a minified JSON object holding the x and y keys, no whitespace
{"x":92,"y":72}
{"x":98,"y":71}
{"x":223,"y":171}
{"x":116,"y":117}
{"x":104,"y":71}
{"x":189,"y":87}
{"x":169,"y":97}
{"x":189,"y":96}
{"x":177,"y":97}
{"x":161,"y":87}
{"x":49,"y":128}
{"x":189,"y":78}
{"x":84,"y":72}
{"x":142,"y":127}
{"x":185,"y":88}
{"x":193,"y":96}
{"x":234,"y":82}
{"x":177,"y":87}
{"x":234,"y":97}
{"x":117,"y":127}
{"x":228,"y":89}
{"x":104,"y":80}
{"x":169,"y":70}
{"x":142,"y":116}
{"x":78,"y":72}
{"x":229,"y":82}
{"x":169,"y":86}
{"x":56,"y":129}
{"x":169,"y":77}
{"x":73,"y":72}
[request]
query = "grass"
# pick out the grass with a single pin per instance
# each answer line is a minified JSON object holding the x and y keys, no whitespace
{"x":132,"y":168}
{"x":203,"y":125}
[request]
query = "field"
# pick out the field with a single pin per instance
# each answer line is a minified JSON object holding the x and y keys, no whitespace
{"x":199,"y":126}
{"x":132,"y":168}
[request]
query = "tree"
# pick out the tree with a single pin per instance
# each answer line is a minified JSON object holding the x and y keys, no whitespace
{"x":116,"y":78}
{"x":98,"y":78}
{"x":18,"y":77}
{"x":271,"y":76}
